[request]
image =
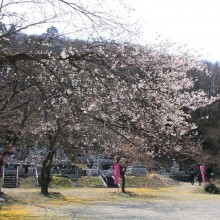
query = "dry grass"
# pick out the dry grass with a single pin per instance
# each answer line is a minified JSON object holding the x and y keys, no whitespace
{"x":27,"y":182}
{"x":15,"y":212}
{"x":20,"y":203}
{"x":90,"y":181}
{"x":151,"y":181}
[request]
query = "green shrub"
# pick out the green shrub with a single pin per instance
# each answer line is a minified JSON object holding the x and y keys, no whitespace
{"x":61,"y":182}
{"x":212,"y":188}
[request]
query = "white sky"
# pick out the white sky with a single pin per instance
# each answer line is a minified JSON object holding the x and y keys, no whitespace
{"x":196,"y":22}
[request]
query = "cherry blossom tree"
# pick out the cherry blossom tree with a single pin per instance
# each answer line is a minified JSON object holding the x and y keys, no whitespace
{"x":139,"y":93}
{"x":24,"y":55}
{"x":126,"y":155}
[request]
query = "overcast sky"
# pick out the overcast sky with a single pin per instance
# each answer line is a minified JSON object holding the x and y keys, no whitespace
{"x":196,"y":22}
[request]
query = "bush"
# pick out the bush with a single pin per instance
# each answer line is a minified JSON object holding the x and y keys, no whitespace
{"x":212,"y":188}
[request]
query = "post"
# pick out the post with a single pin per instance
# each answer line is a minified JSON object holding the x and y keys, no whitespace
{"x":17,"y":177}
{"x":3,"y":174}
{"x":36,"y":175}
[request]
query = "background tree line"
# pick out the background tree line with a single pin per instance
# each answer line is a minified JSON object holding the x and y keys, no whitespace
{"x":208,"y":117}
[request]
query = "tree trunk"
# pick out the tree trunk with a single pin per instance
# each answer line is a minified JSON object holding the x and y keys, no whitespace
{"x":45,"y":172}
{"x":1,"y":174}
{"x":1,"y":178}
{"x":123,"y":182}
{"x":122,"y":174}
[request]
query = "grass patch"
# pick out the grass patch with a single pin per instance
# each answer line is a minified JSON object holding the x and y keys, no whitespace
{"x":217,"y":182}
{"x":58,"y":182}
{"x":149,"y":181}
{"x":27,"y":182}
{"x":81,"y":166}
{"x":91,"y":181}
{"x":143,"y":193}
{"x":133,"y":181}
{"x":152,"y":181}
{"x":76,"y":200}
{"x":15,"y":212}
{"x":31,"y":198}
{"x":61,"y":182}
{"x":18,"y":205}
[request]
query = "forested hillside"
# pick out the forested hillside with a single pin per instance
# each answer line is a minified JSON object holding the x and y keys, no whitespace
{"x":208,"y":117}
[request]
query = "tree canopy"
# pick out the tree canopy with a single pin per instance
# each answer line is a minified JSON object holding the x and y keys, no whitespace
{"x":58,"y":91}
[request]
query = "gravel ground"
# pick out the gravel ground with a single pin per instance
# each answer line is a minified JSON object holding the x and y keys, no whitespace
{"x":183,"y":202}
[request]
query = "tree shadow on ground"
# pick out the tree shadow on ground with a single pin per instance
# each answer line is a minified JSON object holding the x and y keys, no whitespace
{"x":54,"y":195}
{"x":133,"y":195}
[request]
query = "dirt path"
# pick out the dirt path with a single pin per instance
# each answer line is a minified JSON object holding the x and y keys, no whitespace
{"x":184,"y":202}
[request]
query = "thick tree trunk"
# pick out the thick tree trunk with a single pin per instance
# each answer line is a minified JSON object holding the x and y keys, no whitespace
{"x":123,"y":182}
{"x":122,"y":174}
{"x":123,"y":169}
{"x":45,"y":172}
